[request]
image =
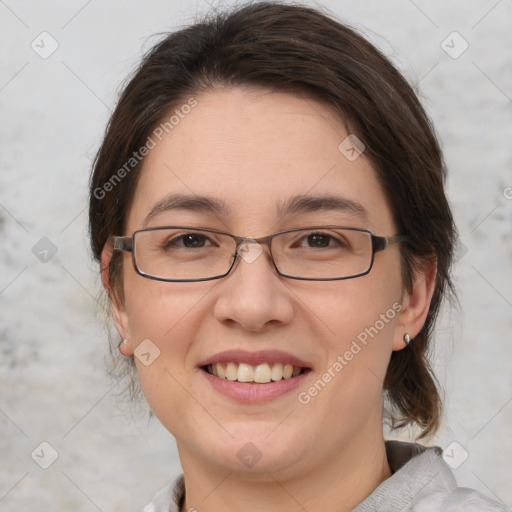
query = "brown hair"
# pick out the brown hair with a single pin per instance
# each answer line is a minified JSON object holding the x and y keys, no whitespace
{"x":298,"y":49}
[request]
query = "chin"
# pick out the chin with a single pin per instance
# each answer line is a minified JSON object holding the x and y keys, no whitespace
{"x":256,"y":455}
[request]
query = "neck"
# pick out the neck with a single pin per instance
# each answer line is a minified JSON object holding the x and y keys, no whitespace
{"x":339,"y":484}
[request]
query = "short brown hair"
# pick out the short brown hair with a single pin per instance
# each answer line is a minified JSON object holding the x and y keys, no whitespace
{"x":298,"y":49}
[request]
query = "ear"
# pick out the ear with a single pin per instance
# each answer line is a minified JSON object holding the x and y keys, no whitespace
{"x":416,"y":304}
{"x":117,"y":303}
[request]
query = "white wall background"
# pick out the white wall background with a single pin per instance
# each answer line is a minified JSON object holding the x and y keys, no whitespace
{"x":53,"y":383}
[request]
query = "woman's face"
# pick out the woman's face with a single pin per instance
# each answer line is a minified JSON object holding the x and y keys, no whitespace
{"x":254,"y":151}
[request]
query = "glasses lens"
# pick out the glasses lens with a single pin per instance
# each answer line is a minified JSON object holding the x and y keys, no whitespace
{"x":323,"y":253}
{"x":183,"y":253}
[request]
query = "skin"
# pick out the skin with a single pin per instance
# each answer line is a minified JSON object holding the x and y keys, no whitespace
{"x":252,"y":148}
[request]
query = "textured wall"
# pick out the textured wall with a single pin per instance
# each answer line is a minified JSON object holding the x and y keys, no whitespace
{"x":53,"y":353}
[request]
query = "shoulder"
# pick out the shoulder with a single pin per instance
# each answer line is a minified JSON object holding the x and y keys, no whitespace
{"x":431,"y":482}
{"x":460,"y":498}
{"x":422,"y":481}
{"x":168,"y":499}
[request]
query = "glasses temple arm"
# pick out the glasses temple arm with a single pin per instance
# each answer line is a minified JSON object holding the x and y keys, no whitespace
{"x":381,"y":242}
{"x":123,"y":243}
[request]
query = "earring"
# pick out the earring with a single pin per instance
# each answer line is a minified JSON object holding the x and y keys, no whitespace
{"x":123,"y":342}
{"x":407,"y":338}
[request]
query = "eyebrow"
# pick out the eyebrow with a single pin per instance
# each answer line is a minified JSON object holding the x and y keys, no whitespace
{"x":327,"y":202}
{"x":295,"y":205}
{"x":187,"y":202}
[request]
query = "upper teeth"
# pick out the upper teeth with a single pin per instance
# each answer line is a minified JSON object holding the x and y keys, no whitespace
{"x":261,"y":373}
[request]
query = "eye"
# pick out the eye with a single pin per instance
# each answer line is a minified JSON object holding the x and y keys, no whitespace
{"x":319,"y":240}
{"x":188,"y":241}
{"x":322,"y":241}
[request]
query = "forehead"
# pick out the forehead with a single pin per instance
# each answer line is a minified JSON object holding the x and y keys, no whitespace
{"x":254,"y":150}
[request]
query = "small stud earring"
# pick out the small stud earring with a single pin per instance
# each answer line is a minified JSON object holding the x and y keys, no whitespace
{"x":407,"y":338}
{"x":124,"y":341}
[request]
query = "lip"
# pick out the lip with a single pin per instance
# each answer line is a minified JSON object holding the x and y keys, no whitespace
{"x":255,"y":358}
{"x":250,"y":393}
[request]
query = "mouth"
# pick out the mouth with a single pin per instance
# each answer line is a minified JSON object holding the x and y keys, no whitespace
{"x":255,"y":377}
{"x":263,"y":373}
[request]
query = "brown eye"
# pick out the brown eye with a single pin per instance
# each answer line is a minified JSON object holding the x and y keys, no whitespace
{"x":319,"y":240}
{"x":193,"y":240}
{"x":188,"y":241}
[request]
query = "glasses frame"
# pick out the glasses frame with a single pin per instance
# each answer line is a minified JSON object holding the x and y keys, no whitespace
{"x":379,"y":243}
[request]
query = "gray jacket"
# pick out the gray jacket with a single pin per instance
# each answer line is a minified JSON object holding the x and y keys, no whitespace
{"x":421,"y":481}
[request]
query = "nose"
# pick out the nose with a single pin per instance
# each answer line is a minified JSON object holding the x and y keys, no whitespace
{"x":253,"y":296}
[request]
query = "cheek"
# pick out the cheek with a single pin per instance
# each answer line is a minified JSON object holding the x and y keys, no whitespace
{"x":162,"y":310}
{"x":347,"y":310}
{"x":164,"y":319}
{"x":356,"y":337}
{"x":359,"y":335}
{"x":354,"y":323}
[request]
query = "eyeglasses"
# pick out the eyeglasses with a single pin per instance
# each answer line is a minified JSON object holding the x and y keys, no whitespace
{"x":317,"y":253}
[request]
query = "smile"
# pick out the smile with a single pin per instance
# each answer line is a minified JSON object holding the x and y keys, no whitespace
{"x":262,"y":373}
{"x":255,"y":376}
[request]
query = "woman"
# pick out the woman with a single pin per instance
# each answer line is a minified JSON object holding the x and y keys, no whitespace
{"x":269,"y":213}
